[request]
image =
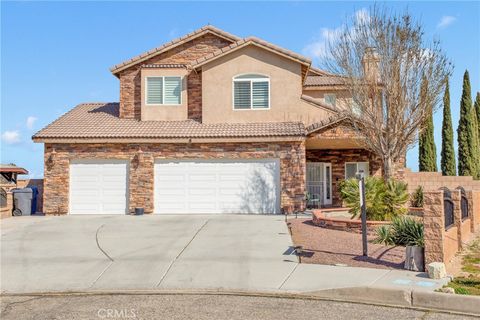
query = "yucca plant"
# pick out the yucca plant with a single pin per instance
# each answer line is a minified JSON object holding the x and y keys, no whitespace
{"x":417,"y":198}
{"x":403,"y":232}
{"x":384,"y":235}
{"x":408,"y":232}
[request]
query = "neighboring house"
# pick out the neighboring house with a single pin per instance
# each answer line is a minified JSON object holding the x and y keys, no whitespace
{"x":207,"y":123}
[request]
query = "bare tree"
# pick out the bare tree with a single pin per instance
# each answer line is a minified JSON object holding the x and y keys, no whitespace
{"x":383,"y":58}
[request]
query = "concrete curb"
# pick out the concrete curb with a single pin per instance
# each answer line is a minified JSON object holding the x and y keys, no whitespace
{"x":442,"y":301}
{"x":438,"y":301}
{"x":419,"y":300}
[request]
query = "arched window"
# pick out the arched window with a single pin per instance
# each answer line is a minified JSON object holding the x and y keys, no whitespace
{"x":251,"y":91}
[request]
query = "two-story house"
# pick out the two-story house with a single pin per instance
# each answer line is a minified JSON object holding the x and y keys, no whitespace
{"x":207,"y":123}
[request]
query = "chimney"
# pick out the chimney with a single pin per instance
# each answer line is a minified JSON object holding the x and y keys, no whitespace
{"x":370,"y":63}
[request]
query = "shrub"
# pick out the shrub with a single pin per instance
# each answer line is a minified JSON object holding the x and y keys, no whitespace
{"x":403,"y":232}
{"x":384,"y":235}
{"x":384,"y":201}
{"x":417,"y":198}
{"x":395,"y":197}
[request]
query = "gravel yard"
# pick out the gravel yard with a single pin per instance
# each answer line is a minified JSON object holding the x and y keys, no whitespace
{"x":326,"y":246}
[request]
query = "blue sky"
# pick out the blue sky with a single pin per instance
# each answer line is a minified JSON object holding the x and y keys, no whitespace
{"x":55,"y":55}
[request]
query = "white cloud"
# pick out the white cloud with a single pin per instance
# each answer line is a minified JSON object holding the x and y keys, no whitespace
{"x":445,"y":21}
{"x":11,"y":137}
{"x":317,"y":48}
{"x":31,"y":121}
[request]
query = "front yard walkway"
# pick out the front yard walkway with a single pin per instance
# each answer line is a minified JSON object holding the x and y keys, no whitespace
{"x":327,"y":246}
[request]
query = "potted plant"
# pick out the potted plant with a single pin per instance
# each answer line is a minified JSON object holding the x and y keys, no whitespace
{"x":406,"y":232}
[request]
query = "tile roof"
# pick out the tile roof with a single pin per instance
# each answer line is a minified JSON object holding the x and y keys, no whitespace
{"x":325,"y":123}
{"x":319,"y":72}
{"x":100,"y":120}
{"x":163,"y":65}
{"x":169,"y":45}
{"x":245,"y":42}
{"x":318,"y":103}
{"x":12,"y":168}
{"x":312,"y":81}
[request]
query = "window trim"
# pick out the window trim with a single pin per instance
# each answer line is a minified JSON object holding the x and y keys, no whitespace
{"x":356,"y":163}
{"x":330,"y":94}
{"x":266,"y":79}
{"x":163,"y":91}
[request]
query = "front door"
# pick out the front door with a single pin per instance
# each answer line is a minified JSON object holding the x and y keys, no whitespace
{"x":319,"y":184}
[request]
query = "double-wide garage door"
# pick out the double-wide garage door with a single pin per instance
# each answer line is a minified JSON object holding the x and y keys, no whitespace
{"x":186,"y":186}
{"x":217,"y":186}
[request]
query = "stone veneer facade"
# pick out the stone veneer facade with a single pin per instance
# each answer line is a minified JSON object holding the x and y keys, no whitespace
{"x":141,"y":159}
{"x":338,"y":158}
{"x":130,"y":79}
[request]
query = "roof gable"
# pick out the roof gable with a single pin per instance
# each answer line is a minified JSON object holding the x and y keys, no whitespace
{"x":172,"y":44}
{"x":247,"y":42}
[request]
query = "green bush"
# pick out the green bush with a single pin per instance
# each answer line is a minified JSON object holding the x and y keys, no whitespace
{"x":403,"y":232}
{"x":417,"y":198}
{"x":384,"y":235}
{"x":384,"y":201}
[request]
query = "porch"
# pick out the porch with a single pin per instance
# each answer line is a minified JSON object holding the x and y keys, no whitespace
{"x":334,"y":153}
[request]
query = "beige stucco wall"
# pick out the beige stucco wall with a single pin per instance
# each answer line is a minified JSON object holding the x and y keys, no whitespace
{"x":164,"y":112}
{"x":285,"y":89}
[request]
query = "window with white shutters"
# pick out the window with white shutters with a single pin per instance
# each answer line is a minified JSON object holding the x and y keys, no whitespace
{"x":251,"y":91}
{"x":163,"y":90}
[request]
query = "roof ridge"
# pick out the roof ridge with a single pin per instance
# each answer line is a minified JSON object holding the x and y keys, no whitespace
{"x":172,"y":43}
{"x":324,"y":123}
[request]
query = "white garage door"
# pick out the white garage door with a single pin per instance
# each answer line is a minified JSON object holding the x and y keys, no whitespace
{"x":217,"y":186}
{"x":98,"y":187}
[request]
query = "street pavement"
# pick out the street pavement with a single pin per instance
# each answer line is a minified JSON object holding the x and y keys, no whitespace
{"x":208,"y":307}
{"x":158,"y":252}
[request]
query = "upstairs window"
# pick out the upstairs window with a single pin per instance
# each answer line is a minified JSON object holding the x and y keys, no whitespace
{"x":163,"y":90}
{"x":331,"y":99}
{"x":356,"y":109}
{"x":251,"y":91}
{"x":352,"y":168}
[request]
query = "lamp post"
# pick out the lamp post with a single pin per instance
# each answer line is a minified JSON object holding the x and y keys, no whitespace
{"x":363,"y":208}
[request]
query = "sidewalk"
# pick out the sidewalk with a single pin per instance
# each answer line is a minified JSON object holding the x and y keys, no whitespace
{"x":312,"y":277}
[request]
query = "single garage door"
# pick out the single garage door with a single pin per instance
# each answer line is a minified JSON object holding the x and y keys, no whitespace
{"x":217,"y":186}
{"x":98,"y":187}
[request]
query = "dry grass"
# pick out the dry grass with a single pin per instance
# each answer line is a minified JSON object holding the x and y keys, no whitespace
{"x":469,"y":282}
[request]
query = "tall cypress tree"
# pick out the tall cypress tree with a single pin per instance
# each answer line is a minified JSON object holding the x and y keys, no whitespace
{"x":427,"y":153}
{"x":477,"y":110}
{"x":467,"y":134}
{"x":476,"y":141}
{"x":448,"y":152}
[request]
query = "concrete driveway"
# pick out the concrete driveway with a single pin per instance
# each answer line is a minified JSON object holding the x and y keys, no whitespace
{"x":241,"y":252}
{"x":144,"y":252}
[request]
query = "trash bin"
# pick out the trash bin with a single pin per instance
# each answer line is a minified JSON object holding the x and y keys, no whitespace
{"x":22,"y":202}
{"x":34,"y":198}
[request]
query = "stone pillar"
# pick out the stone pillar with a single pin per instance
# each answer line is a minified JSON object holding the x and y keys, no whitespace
{"x":434,"y":226}
{"x":457,"y":215}
{"x":56,"y":180}
{"x":141,"y":182}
